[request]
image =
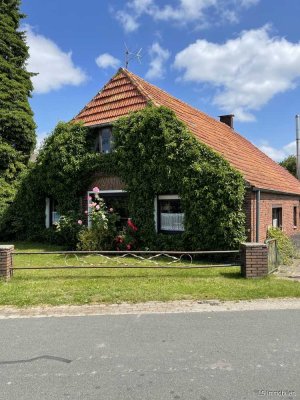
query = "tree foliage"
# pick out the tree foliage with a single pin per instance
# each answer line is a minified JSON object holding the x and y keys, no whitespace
{"x":17,"y":127}
{"x":57,"y":173}
{"x":289,"y":163}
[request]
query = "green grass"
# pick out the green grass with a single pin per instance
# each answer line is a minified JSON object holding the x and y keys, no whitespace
{"x":90,"y":286}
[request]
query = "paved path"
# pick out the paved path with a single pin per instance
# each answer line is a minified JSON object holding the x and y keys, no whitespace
{"x":291,"y":272}
{"x":240,"y":355}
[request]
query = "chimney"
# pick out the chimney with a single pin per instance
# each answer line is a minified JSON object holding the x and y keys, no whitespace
{"x":227,"y":119}
{"x":298,"y":146}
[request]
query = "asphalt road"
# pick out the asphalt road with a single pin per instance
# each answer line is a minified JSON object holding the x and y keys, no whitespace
{"x":190,"y":356}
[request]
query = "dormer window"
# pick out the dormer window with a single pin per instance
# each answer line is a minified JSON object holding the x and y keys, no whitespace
{"x":103,"y":140}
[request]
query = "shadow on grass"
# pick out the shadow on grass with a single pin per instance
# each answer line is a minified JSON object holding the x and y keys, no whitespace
{"x":68,"y":274}
{"x":232,"y":275}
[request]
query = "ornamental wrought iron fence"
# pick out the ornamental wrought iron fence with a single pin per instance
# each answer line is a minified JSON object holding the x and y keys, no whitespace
{"x":34,"y":260}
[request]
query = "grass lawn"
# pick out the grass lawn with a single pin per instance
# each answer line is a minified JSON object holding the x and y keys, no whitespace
{"x":90,"y":286}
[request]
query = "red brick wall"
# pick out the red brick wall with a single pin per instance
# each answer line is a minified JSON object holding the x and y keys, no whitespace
{"x":267,"y":202}
{"x":106,"y":182}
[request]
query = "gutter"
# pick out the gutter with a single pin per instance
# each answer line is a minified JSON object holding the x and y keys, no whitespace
{"x":255,"y":189}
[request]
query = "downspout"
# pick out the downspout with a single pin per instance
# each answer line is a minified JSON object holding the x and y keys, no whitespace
{"x":257,"y":214}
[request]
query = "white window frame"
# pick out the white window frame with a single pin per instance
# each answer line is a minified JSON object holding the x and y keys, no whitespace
{"x":99,"y":138}
{"x":47,"y":213}
{"x":156,"y":209}
{"x":101,"y":192}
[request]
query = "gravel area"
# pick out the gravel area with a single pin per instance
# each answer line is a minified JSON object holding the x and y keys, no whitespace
{"x":150,"y":308}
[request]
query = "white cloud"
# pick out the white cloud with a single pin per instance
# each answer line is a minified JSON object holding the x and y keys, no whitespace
{"x":202,"y":12}
{"x":106,"y":60}
{"x":249,"y":3}
{"x":159,"y":56}
{"x":55,"y":68}
{"x":128,"y":21}
{"x":278,"y":154}
{"x":245,"y":72}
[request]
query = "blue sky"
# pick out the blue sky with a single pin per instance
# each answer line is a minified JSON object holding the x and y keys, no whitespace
{"x":221,"y":56}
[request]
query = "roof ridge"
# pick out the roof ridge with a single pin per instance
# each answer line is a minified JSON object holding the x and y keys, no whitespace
{"x":132,"y":77}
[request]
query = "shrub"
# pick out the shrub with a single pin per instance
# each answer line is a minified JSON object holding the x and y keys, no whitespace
{"x":286,"y":249}
{"x":127,"y":239}
{"x":68,"y":229}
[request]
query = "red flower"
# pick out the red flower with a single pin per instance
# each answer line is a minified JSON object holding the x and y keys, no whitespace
{"x":131,"y":225}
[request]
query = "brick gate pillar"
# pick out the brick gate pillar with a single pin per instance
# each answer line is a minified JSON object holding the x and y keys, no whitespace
{"x":6,"y":261}
{"x":254,"y":260}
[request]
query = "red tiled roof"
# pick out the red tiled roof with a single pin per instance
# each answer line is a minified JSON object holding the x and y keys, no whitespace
{"x":127,"y":92}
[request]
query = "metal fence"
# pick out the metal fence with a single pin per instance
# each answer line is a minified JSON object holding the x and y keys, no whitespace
{"x":126,"y":259}
{"x":273,"y":256}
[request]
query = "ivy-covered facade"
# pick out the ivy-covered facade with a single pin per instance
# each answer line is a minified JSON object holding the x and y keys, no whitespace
{"x":186,"y":180}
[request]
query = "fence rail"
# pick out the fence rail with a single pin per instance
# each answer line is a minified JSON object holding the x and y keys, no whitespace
{"x":123,"y":259}
{"x":254,"y":259}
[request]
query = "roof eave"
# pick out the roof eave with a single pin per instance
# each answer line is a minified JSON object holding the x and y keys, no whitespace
{"x":275,"y":191}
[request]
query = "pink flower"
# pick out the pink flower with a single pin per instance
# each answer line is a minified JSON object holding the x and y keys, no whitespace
{"x":92,"y":204}
{"x":90,"y":198}
{"x":79,"y":222}
{"x":97,"y":207}
{"x":86,"y":212}
{"x":96,"y":189}
{"x":128,"y":247}
{"x":111,"y":210}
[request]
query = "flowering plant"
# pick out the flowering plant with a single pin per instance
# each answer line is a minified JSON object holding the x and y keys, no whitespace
{"x":102,"y":232}
{"x":67,"y":229}
{"x":127,"y":238}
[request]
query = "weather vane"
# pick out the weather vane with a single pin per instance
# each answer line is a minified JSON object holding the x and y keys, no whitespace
{"x":132,"y":55}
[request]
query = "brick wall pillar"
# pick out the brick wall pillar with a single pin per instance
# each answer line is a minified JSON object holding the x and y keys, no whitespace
{"x":254,"y":260}
{"x":6,"y":261}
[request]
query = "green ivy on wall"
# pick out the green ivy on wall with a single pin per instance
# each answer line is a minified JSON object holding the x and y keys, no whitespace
{"x":154,"y":153}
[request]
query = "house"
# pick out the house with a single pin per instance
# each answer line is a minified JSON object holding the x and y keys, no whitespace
{"x":272,"y":194}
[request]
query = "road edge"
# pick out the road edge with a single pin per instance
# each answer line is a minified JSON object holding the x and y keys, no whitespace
{"x":152,"y":307}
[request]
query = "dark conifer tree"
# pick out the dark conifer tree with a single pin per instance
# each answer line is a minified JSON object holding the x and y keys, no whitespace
{"x":17,"y":127}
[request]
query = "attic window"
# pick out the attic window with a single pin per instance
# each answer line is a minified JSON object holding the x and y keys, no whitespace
{"x":103,"y":140}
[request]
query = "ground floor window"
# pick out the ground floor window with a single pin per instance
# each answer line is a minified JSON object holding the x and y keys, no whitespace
{"x":295,"y":216}
{"x":277,"y":217}
{"x":170,"y":215}
{"x":115,"y":199}
{"x":52,"y":215}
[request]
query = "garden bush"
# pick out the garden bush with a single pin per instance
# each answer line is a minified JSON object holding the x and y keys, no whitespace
{"x":286,"y":248}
